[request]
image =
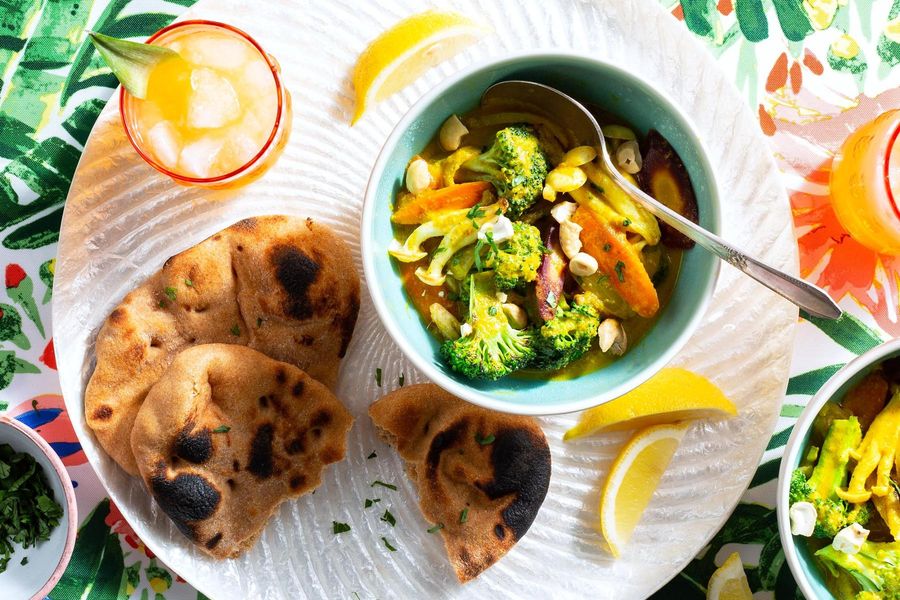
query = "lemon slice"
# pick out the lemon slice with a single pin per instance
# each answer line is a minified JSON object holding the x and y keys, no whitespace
{"x":632,"y":480}
{"x":669,"y":396}
{"x":729,"y":582}
{"x":402,"y":53}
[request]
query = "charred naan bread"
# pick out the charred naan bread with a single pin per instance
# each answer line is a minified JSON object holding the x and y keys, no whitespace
{"x":281,"y":285}
{"x":226,"y":435}
{"x":481,"y":474}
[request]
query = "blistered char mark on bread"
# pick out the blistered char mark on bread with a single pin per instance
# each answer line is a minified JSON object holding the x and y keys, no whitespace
{"x":281,"y":285}
{"x":226,"y":435}
{"x":483,"y":475}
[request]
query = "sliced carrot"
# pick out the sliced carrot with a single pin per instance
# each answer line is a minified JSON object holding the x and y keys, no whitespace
{"x":618,"y":261}
{"x":463,"y":195}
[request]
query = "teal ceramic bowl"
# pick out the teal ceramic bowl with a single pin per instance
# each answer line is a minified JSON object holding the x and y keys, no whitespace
{"x":799,"y":558}
{"x":590,"y":80}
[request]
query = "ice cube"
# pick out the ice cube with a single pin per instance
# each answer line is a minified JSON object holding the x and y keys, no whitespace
{"x":213,"y":102}
{"x":198,"y":158}
{"x":165,"y":143}
{"x":256,"y":76}
{"x":220,"y":51}
{"x":238,"y":151}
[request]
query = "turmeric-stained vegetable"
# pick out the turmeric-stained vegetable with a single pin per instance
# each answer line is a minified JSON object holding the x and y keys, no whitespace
{"x":664,"y":177}
{"x":417,"y":208}
{"x":451,"y":164}
{"x":888,"y":506}
{"x":548,"y":286}
{"x":876,"y":454}
{"x":447,"y":324}
{"x":618,"y":260}
{"x":630,"y":215}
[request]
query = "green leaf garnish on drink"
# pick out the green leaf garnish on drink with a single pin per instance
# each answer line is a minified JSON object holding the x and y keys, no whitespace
{"x":131,"y":62}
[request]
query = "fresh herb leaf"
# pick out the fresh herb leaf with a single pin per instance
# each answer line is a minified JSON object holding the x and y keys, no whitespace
{"x":401,"y":380}
{"x":188,"y":283}
{"x":387,"y":545}
{"x":388,"y":518}
{"x":479,"y":245}
{"x":163,"y":303}
{"x":337,"y":527}
{"x":259,"y":322}
{"x":620,"y":271}
{"x":464,"y":515}
{"x":484,"y":441}
{"x":24,"y":561}
{"x":492,"y":311}
{"x":389,"y":486}
{"x":222,"y":429}
{"x":170,"y":293}
{"x":371,"y":502}
{"x":607,"y":247}
{"x":626,"y":222}
{"x":474,"y":213}
{"x":435,"y":528}
{"x":373,"y":455}
{"x":378,"y":376}
{"x":235,"y":330}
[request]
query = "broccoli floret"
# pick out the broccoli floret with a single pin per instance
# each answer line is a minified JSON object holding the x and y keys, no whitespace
{"x":515,"y":164}
{"x":828,"y":476}
{"x":493,"y":348}
{"x":875,"y":568}
{"x":565,"y":337}
{"x":516,"y":261}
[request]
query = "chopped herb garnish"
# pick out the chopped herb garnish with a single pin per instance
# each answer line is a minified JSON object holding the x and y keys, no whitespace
{"x":484,"y":441}
{"x":222,"y":429}
{"x":492,"y":311}
{"x":170,"y":293}
{"x":24,"y":561}
{"x":235,"y":330}
{"x":337,"y":527}
{"x":188,"y":283}
{"x":387,"y":545}
{"x":607,"y":247}
{"x":479,"y":245}
{"x":163,"y":303}
{"x":371,"y":502}
{"x":435,"y":528}
{"x":355,"y":595}
{"x":388,"y":518}
{"x":389,"y":486}
{"x":401,"y":380}
{"x":626,"y":222}
{"x":474,"y":213}
{"x":373,"y":455}
{"x":620,"y":271}
{"x":378,"y":376}
{"x":259,"y":322}
{"x":464,"y":515}
{"x":28,"y":512}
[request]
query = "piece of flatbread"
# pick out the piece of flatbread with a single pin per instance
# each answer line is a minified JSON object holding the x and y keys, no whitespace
{"x":481,"y":474}
{"x":226,"y":435}
{"x":282,"y":285}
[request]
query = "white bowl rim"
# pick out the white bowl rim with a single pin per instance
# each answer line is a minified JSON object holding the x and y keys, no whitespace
{"x":449,"y":384}
{"x":804,"y":422}
{"x":71,"y":504}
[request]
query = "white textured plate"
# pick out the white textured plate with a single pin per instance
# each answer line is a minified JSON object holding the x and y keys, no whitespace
{"x":123,"y":220}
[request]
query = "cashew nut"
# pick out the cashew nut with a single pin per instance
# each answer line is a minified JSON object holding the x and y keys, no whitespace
{"x":582,"y":265}
{"x":566,"y":179}
{"x":570,"y":238}
{"x":563,"y":211}
{"x":516,"y":315}
{"x":549,"y":193}
{"x":418,"y":177}
{"x":579,"y":156}
{"x":451,"y":134}
{"x":612,"y":337}
{"x":628,"y":157}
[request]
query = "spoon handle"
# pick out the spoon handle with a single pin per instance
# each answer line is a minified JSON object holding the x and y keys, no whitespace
{"x":809,"y":297}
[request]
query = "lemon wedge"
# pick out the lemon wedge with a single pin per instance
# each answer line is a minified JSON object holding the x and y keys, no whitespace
{"x":402,"y":53}
{"x":729,"y":582}
{"x":632,"y":480}
{"x":669,"y":396}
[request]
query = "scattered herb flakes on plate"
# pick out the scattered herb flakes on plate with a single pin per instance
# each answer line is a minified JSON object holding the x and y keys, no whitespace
{"x":28,"y":512}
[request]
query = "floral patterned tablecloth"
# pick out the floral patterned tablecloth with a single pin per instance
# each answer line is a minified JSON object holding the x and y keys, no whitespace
{"x":812,"y":70}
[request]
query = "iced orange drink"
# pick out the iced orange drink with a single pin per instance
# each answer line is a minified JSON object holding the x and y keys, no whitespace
{"x":217,"y":114}
{"x":865,"y":184}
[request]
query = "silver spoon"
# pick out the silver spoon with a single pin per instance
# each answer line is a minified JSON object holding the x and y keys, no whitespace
{"x":809,"y":297}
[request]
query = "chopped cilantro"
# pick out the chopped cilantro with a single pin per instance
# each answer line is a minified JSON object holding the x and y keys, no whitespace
{"x":620,"y":271}
{"x":464,"y":515}
{"x":259,"y":322}
{"x":170,"y":293}
{"x":378,"y":376}
{"x":435,"y":528}
{"x":188,"y":283}
{"x":626,"y":222}
{"x":235,"y":330}
{"x":387,"y":544}
{"x":401,"y":380}
{"x":373,"y":455}
{"x":607,"y":247}
{"x":389,"y":486}
{"x":371,"y":502}
{"x":388,"y":518}
{"x":484,"y":441}
{"x":222,"y":429}
{"x":492,"y":311}
{"x":337,"y":527}
{"x":24,"y":561}
{"x":163,"y":303}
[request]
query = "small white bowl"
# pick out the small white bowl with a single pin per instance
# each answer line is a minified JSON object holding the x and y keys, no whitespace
{"x":47,"y":560}
{"x":805,"y":572}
